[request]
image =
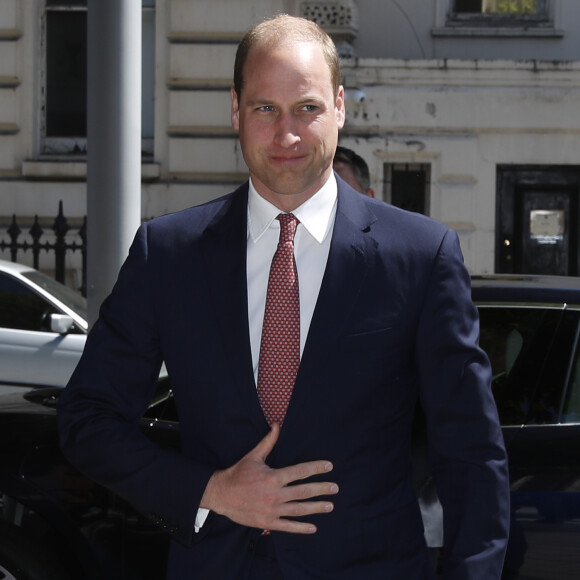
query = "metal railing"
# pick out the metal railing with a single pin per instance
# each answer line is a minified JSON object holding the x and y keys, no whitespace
{"x":60,"y":246}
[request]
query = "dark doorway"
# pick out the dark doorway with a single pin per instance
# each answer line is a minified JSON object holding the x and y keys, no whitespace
{"x":537,"y":220}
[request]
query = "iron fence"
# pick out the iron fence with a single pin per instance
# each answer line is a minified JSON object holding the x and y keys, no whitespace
{"x":60,"y":246}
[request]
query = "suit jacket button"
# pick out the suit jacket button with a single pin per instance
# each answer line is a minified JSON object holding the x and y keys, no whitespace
{"x":251,"y":546}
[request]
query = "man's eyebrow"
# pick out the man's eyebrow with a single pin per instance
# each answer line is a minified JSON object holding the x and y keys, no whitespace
{"x":258,"y":102}
{"x":302,"y":101}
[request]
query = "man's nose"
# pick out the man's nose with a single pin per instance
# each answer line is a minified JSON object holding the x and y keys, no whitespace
{"x":286,"y":131}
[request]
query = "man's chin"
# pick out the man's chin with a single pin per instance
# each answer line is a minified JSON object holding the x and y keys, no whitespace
{"x":282,"y":184}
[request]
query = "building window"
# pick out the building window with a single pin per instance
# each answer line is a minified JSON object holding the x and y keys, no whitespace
{"x":407,"y":186}
{"x":499,"y":13}
{"x":499,"y":6}
{"x":66,"y":70}
{"x":64,"y":79}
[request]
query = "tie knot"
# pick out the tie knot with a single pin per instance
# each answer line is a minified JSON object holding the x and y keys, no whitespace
{"x":288,"y":224}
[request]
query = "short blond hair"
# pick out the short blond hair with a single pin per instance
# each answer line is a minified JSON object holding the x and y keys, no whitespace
{"x":284,"y":28}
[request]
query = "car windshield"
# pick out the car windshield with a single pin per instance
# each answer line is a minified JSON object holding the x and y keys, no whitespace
{"x":66,"y":295}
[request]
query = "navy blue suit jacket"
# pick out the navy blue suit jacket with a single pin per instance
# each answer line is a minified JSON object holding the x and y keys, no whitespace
{"x":393,"y":323}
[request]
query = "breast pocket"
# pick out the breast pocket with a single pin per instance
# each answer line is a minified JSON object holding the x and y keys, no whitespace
{"x":379,"y":352}
{"x":376,"y":340}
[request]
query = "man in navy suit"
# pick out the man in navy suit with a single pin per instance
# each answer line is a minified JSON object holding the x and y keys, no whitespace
{"x":386,"y":319}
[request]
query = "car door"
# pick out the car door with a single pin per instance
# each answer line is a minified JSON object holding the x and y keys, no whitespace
{"x":538,"y":395}
{"x":29,"y":351}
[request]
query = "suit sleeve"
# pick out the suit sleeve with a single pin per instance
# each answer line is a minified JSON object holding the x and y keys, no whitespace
{"x":467,"y":454}
{"x":109,"y":391}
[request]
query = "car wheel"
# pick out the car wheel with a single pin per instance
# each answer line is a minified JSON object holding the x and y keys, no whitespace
{"x":25,"y":558}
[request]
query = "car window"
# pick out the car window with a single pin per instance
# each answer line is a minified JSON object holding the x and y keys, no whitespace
{"x":62,"y":293}
{"x":529,"y":360}
{"x":21,"y":307}
{"x":571,"y":406}
{"x":571,"y":410}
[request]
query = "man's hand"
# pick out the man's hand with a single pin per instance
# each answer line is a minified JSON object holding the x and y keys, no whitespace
{"x":253,"y":494}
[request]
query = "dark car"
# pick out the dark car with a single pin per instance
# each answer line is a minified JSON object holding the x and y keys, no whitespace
{"x":530,"y":328}
{"x":55,"y":524}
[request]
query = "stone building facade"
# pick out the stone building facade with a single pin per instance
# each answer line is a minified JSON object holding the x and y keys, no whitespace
{"x":470,"y":115}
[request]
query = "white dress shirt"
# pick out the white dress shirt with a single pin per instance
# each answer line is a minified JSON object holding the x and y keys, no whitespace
{"x":311,"y":247}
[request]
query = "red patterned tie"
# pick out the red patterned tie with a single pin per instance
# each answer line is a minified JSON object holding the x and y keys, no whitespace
{"x":280,"y":346}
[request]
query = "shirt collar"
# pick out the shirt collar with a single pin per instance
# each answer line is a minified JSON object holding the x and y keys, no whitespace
{"x":315,"y":214}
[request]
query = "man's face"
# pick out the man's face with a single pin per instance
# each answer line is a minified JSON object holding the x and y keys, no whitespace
{"x":288,"y":121}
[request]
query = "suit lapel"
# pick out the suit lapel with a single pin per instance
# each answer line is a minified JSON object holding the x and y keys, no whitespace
{"x":346,"y":269}
{"x":224,"y":253}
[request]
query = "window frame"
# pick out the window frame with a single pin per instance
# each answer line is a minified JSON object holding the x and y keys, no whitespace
{"x":33,"y":303}
{"x":389,"y":167}
{"x":572,"y":386}
{"x":50,"y":147}
{"x":499,"y":19}
{"x":559,"y":322}
{"x":450,"y":23}
{"x":55,"y":145}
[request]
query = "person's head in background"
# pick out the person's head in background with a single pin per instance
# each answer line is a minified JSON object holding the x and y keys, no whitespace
{"x":353,"y":169}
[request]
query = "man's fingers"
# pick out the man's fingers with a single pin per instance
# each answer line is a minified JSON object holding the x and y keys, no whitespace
{"x":295,"y":493}
{"x":293,"y":527}
{"x":296,"y":509}
{"x":253,"y":494}
{"x":294,"y":472}
{"x":303,"y":471}
{"x":299,"y":509}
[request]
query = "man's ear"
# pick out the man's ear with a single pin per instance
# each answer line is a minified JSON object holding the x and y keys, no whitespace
{"x":340,"y":107}
{"x":371,"y":192}
{"x":235,"y":110}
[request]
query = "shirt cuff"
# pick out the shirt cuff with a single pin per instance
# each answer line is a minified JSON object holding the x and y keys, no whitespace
{"x":200,"y":518}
